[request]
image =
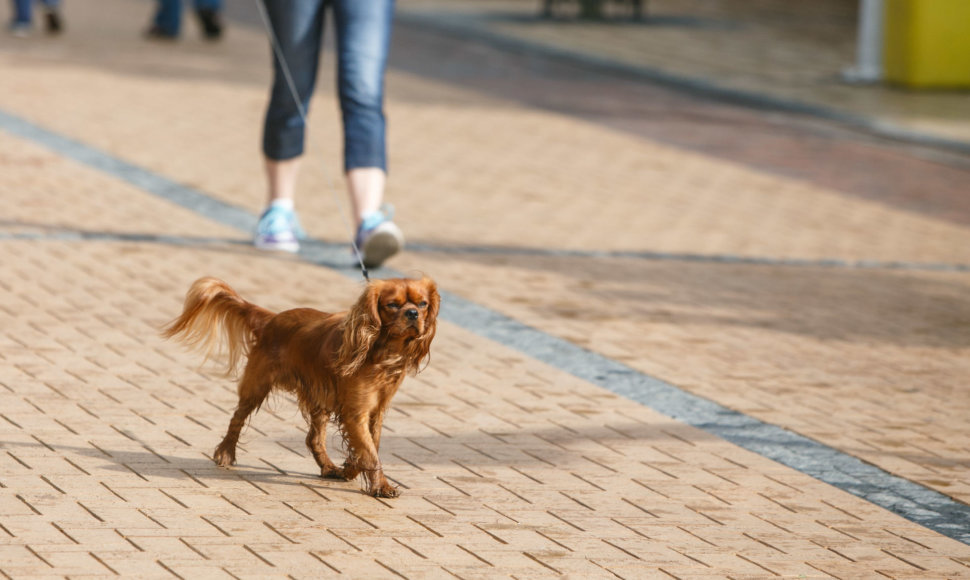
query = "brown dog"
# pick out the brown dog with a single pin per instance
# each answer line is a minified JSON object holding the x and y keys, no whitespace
{"x":346,"y":365}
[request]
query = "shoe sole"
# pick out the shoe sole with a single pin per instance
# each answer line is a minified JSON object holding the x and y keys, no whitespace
{"x":290,"y":247}
{"x":381,"y":245}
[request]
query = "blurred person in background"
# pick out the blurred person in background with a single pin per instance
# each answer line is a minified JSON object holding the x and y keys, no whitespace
{"x":167,"y":23}
{"x":22,"y":23}
{"x":363,"y":31}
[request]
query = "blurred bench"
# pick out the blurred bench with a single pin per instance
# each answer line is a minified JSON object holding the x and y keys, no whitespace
{"x":593,"y":9}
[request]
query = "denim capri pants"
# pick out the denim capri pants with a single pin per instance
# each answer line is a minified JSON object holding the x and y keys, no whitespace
{"x":363,"y":31}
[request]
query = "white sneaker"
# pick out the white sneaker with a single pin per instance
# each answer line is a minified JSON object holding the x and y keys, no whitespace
{"x":20,"y":29}
{"x":378,"y":238}
{"x":278,"y":229}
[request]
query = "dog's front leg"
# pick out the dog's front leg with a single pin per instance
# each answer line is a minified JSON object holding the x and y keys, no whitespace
{"x":364,"y":459}
{"x":376,"y":423}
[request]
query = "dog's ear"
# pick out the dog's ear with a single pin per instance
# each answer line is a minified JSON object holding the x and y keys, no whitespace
{"x":361,"y":327}
{"x":422,"y":344}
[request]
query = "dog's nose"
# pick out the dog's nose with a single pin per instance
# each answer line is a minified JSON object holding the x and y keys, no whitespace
{"x":411,"y":314}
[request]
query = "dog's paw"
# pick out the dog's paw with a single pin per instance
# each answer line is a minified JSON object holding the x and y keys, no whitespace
{"x":333,"y":472}
{"x":386,"y":490}
{"x":350,"y":470}
{"x":224,"y":457}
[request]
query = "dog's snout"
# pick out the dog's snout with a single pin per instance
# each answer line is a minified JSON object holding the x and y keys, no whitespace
{"x":411,"y":314}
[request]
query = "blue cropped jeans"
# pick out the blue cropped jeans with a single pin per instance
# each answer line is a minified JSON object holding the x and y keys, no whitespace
{"x":168,"y":17}
{"x":23,"y":9}
{"x":363,"y":29}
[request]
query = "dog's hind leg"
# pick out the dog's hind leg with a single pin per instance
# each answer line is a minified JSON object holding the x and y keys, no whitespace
{"x":316,"y":442}
{"x":253,"y":389}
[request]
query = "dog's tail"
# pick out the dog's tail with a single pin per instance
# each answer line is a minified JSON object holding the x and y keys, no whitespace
{"x":216,"y":317}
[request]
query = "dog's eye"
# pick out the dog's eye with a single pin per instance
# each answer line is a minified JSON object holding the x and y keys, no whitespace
{"x":422,"y":304}
{"x":392,"y":306}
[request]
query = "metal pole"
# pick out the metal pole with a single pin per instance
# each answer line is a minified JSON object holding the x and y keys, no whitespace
{"x":868,"y":66}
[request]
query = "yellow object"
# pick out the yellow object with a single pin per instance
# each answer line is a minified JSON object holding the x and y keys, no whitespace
{"x":927,"y":43}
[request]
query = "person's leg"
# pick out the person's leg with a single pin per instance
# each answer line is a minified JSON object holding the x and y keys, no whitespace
{"x":209,"y":13}
{"x":281,"y":177}
{"x":52,"y":16}
{"x":168,"y":19}
{"x":363,"y":39}
{"x":366,"y":187}
{"x":297,"y":27}
{"x":21,"y":13}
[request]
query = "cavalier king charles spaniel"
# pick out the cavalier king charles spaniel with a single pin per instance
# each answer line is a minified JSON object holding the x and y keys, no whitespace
{"x":345,"y":366}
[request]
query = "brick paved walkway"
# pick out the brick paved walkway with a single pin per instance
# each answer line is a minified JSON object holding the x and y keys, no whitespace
{"x":509,"y":466}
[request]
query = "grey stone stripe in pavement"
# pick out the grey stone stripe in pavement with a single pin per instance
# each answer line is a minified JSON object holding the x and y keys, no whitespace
{"x":143,"y":179}
{"x":908,"y":499}
{"x":686,"y":257}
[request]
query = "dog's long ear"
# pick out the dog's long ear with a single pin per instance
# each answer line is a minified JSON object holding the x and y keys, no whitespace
{"x":361,"y":327}
{"x":422,"y":344}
